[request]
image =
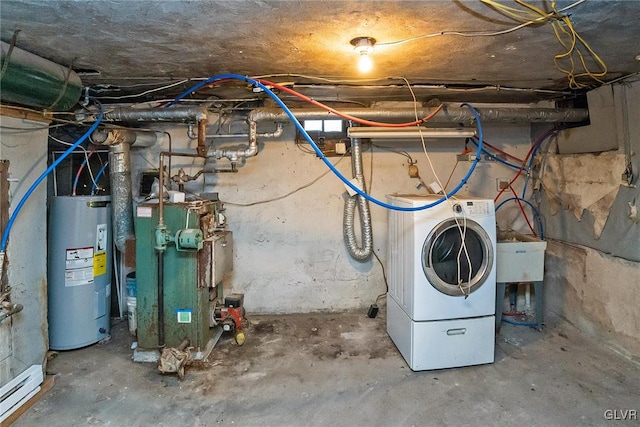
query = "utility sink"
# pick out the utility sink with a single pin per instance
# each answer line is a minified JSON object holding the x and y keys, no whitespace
{"x":520,"y":257}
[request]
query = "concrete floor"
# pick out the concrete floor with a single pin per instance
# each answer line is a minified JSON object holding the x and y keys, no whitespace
{"x":342,"y":370}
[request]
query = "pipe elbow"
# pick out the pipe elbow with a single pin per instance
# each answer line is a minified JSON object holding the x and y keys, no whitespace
{"x":251,"y":151}
{"x":277,"y":133}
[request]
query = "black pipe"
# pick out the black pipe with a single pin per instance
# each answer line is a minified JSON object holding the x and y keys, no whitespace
{"x":160,"y":299}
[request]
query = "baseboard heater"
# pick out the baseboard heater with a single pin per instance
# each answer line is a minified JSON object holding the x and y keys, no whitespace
{"x":20,"y":389}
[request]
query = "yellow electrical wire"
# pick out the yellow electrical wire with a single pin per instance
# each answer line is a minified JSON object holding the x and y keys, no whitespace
{"x":566,"y":35}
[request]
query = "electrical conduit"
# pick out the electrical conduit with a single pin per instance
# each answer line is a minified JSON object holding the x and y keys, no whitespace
{"x":363,"y":252}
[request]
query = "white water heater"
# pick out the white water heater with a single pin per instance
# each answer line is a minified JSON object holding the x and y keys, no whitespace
{"x":79,"y":270}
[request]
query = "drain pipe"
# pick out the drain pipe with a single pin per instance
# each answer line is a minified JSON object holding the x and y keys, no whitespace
{"x":119,"y":142}
{"x":363,"y":252}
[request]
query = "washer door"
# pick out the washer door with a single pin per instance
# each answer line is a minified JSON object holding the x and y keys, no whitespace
{"x":450,"y":268}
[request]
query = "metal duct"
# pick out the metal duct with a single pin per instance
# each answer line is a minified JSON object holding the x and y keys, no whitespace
{"x":360,"y":253}
{"x":120,"y":142}
{"x":121,"y":193}
{"x":30,"y":80}
{"x":124,"y":136}
{"x":447,"y":114}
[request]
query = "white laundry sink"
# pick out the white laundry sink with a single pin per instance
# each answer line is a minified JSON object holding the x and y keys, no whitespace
{"x":520,"y":257}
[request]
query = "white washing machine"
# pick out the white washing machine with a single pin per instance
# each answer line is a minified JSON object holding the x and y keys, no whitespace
{"x":441,"y":305}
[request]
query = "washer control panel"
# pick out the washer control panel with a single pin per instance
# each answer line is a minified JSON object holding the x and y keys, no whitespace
{"x":474,"y":207}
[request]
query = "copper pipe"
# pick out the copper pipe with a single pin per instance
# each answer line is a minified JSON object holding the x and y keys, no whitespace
{"x":202,"y":134}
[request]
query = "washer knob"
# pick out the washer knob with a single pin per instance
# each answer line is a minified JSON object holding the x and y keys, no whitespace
{"x":457,"y":208}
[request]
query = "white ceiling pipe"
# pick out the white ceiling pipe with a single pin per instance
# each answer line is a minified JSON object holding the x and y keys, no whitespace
{"x":408,"y":132}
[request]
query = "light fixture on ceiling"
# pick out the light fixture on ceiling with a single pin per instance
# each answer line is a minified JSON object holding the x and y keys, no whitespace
{"x":364,"y":46}
{"x":408,"y":132}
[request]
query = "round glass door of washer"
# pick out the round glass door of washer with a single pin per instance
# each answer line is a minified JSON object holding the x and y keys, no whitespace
{"x":457,"y":257}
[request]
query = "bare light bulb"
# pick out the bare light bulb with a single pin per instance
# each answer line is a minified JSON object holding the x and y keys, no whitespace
{"x":364,"y":46}
{"x":365,"y":64}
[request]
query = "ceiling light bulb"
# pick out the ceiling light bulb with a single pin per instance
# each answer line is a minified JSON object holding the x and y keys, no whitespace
{"x":365,"y":64}
{"x":364,"y":46}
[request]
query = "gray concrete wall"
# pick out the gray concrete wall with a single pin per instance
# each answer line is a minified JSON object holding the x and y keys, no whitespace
{"x":594,"y":282}
{"x":596,"y":292}
{"x":24,"y":336}
{"x":621,"y":232}
{"x":289,"y":254}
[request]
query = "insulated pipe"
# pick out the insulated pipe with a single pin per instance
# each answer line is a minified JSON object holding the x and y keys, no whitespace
{"x":153,"y":114}
{"x":363,"y":252}
{"x":129,"y":136}
{"x":28,"y":79}
{"x":200,"y":115}
{"x":445,"y":115}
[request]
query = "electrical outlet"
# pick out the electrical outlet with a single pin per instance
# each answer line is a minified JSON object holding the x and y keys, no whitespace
{"x":502,"y":183}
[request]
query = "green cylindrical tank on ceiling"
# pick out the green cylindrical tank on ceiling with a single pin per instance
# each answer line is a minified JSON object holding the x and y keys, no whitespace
{"x":32,"y":81}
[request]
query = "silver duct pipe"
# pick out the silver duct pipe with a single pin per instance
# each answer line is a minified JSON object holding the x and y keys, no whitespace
{"x":124,"y":136}
{"x":448,"y":114}
{"x":363,"y":252}
{"x":121,"y":194}
{"x":120,"y":142}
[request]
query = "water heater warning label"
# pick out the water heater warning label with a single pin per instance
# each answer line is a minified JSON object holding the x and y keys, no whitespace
{"x":78,"y":267}
{"x":99,"y":263}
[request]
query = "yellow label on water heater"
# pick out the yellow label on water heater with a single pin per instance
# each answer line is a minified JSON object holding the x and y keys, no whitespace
{"x":99,"y":263}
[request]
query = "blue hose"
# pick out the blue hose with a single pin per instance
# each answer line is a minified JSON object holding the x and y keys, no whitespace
{"x":535,"y":211}
{"x":515,"y":322}
{"x":94,"y":187}
{"x":496,"y":158}
{"x":77,"y":178}
{"x":5,"y":236}
{"x":322,"y":156}
{"x":533,"y":155}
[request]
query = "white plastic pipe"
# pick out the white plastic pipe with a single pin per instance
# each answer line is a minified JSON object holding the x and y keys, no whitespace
{"x":408,"y":132}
